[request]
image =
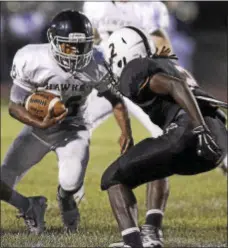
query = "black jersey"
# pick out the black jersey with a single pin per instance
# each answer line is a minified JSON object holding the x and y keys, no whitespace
{"x":134,"y":84}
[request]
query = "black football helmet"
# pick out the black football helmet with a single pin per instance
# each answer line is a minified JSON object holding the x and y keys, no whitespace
{"x":73,"y":29}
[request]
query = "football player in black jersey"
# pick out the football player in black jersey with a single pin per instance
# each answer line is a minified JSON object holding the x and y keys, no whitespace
{"x":194,"y":138}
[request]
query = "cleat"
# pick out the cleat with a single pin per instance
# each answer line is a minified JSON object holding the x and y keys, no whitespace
{"x":152,"y":237}
{"x":69,"y":213}
{"x":34,"y":216}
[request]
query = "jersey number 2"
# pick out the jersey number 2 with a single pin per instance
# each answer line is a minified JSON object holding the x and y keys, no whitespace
{"x":113,"y":54}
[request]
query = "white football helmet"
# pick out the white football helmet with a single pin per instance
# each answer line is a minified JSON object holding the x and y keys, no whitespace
{"x":126,"y":44}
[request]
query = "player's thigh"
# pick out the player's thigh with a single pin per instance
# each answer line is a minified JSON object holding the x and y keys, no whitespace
{"x":148,"y":160}
{"x":25,"y":151}
{"x":98,"y":109}
{"x":73,"y":158}
{"x":152,"y":158}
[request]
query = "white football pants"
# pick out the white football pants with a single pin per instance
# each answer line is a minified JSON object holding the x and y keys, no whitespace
{"x":28,"y":149}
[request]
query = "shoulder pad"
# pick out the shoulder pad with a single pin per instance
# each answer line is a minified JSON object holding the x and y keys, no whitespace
{"x":135,"y":74}
{"x":32,"y":66}
{"x":132,"y":76}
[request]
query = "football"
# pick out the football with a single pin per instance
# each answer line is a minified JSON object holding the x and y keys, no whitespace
{"x":39,"y":103}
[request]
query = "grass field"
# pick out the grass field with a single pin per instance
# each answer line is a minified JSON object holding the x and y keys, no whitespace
{"x":196,"y":214}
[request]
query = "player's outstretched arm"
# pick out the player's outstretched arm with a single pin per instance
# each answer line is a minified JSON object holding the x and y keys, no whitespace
{"x":180,"y":92}
{"x":122,"y":118}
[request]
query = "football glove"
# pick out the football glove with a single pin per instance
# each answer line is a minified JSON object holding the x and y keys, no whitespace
{"x":206,"y":146}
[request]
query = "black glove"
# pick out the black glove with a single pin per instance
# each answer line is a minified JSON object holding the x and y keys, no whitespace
{"x":206,"y":146}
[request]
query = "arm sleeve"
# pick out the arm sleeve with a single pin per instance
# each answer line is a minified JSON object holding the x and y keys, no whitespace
{"x":19,"y":72}
{"x":156,"y":17}
{"x":18,"y":95}
{"x":106,"y":85}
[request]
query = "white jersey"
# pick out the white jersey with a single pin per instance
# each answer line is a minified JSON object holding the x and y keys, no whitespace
{"x":109,"y":16}
{"x":34,"y":68}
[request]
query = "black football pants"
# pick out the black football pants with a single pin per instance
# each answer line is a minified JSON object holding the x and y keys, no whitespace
{"x":172,"y":153}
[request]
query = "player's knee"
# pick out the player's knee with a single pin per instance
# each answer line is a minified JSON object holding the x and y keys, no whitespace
{"x":110,"y":176}
{"x":71,"y":174}
{"x":106,"y":181}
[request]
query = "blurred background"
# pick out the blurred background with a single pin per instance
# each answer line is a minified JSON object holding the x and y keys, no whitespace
{"x":198,"y":31}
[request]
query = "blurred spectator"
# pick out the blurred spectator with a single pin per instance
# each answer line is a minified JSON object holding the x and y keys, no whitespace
{"x":27,"y":25}
{"x":181,"y":15}
{"x":24,"y":23}
{"x":2,"y":22}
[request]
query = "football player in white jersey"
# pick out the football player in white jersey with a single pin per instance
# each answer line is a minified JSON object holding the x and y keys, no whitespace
{"x":153,"y":18}
{"x":65,"y":67}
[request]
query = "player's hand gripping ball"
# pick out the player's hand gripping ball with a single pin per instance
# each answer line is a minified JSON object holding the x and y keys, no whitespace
{"x":38,"y":104}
